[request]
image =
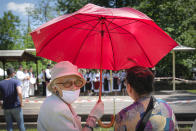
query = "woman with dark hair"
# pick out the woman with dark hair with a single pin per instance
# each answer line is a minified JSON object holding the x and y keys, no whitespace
{"x":146,"y":113}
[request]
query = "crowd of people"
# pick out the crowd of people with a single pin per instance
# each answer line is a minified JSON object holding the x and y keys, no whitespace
{"x":27,"y":80}
{"x":110,"y":83}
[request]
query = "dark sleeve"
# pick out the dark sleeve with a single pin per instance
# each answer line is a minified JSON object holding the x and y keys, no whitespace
{"x":1,"y":96}
{"x":18,"y":83}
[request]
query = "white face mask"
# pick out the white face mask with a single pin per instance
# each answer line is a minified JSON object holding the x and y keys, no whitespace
{"x":70,"y":96}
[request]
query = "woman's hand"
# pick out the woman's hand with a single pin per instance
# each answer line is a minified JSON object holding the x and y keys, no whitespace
{"x":98,"y":110}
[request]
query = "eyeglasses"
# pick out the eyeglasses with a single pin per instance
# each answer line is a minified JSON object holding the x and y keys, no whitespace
{"x":69,"y":83}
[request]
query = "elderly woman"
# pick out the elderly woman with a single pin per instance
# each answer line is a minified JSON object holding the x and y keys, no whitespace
{"x":146,"y":113}
{"x":56,"y":113}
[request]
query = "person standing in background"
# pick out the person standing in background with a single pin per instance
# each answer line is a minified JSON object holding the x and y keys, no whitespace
{"x":88,"y":85}
{"x":12,"y":100}
{"x":82,"y":89}
{"x":116,"y":82}
{"x":122,"y":80}
{"x":20,"y":77}
{"x":106,"y":84}
{"x":96,"y":81}
{"x":42,"y":77}
{"x":44,"y":83}
{"x":32,"y":82}
{"x":48,"y":78}
{"x":26,"y":84}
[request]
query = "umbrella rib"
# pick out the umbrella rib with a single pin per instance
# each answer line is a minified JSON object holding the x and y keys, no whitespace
{"x":125,"y":24}
{"x":59,"y":34}
{"x":140,"y":20}
{"x":74,"y":16}
{"x":111,"y":43}
{"x":111,"y":22}
{"x":122,"y":26}
{"x":84,"y":41}
{"x":137,"y":42}
{"x":85,"y":29}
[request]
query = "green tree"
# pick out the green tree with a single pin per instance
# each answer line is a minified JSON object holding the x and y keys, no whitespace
{"x":27,"y":39}
{"x":44,"y":11}
{"x":9,"y":31}
{"x":178,"y":19}
{"x":70,"y":6}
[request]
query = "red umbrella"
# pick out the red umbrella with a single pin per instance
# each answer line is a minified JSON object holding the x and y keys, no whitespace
{"x":95,"y":37}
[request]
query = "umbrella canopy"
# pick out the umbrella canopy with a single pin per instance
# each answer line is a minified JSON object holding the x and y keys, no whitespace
{"x":95,"y":37}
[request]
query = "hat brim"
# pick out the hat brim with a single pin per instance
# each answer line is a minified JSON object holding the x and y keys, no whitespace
{"x":49,"y":86}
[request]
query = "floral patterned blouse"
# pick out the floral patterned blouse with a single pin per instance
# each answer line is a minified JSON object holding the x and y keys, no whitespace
{"x":161,"y":119}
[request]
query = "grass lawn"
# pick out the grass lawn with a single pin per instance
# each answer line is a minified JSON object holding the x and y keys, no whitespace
{"x":192,"y":91}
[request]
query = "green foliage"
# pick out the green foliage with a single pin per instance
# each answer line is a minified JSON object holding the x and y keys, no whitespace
{"x":26,"y":38}
{"x":9,"y":32}
{"x":178,"y":19}
{"x":44,"y":11}
{"x":70,"y":6}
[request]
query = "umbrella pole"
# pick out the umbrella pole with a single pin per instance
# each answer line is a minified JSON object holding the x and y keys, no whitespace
{"x":100,"y":88}
{"x":101,"y":60}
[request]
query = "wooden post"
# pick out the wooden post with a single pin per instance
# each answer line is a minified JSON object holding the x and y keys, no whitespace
{"x":37,"y":72}
{"x":174,"y":71}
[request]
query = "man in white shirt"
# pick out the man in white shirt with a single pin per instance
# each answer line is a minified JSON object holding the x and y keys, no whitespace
{"x":26,"y":83}
{"x":32,"y":82}
{"x":48,"y":78}
{"x":20,"y":76}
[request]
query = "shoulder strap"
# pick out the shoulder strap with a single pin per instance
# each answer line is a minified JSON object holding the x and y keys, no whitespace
{"x":146,"y":115}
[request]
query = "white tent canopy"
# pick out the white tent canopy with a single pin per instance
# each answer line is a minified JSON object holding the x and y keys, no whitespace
{"x":183,"y":48}
{"x":2,"y":73}
{"x":178,"y":48}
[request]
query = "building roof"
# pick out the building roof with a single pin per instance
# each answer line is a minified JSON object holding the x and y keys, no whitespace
{"x":17,"y":55}
{"x":183,"y":48}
